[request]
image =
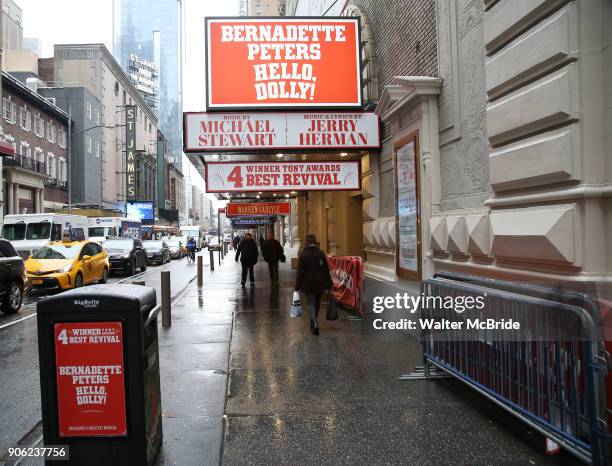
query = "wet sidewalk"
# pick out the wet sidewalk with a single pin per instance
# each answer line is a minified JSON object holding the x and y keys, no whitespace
{"x":243,"y":383}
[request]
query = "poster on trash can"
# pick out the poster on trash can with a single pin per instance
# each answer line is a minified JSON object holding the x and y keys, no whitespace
{"x":90,"y":379}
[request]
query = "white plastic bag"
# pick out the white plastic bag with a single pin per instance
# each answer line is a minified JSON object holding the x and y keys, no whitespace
{"x":296,"y":305}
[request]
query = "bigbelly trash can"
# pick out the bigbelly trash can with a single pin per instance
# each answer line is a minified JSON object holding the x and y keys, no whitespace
{"x":99,"y":374}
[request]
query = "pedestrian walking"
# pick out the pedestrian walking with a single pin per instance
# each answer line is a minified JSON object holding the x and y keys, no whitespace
{"x":313,"y":278}
{"x":261,"y":242}
{"x":248,"y":253}
{"x":273,"y":252}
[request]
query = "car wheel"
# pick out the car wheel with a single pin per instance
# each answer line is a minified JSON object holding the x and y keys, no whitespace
{"x":78,"y":281}
{"x":13,"y":299}
{"x":144,"y":265}
{"x":132,"y":270}
{"x":104,"y":278}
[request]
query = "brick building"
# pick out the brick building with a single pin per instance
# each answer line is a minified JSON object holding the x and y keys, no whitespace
{"x":35,"y":180}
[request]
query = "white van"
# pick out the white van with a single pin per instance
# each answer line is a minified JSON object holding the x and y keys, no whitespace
{"x":30,"y":232}
{"x":101,"y":228}
{"x":196,"y":232}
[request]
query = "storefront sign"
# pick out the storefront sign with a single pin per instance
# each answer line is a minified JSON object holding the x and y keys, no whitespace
{"x":130,"y":151}
{"x":407,"y":209}
{"x":90,"y":379}
{"x":347,"y":275}
{"x":259,"y":208}
{"x":261,"y":131}
{"x":252,"y":222}
{"x":245,"y":177}
{"x":283,"y":63}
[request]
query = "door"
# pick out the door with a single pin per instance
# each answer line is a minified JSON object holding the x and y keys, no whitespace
{"x":88,"y":264}
{"x":98,"y":261}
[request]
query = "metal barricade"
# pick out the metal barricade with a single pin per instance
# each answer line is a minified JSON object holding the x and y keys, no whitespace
{"x":550,"y":373}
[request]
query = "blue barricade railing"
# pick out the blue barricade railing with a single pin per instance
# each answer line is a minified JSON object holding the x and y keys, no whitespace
{"x":550,"y":373}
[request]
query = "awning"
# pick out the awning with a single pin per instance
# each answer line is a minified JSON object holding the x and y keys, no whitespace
{"x":6,"y":149}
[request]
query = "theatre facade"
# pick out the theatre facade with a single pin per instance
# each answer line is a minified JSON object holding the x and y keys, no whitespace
{"x":494,"y":152}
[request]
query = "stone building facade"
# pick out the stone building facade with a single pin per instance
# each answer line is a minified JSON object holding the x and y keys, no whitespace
{"x":93,"y":67}
{"x":505,"y":107}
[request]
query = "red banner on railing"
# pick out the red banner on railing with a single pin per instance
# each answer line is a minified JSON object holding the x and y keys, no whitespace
{"x":347,"y":275}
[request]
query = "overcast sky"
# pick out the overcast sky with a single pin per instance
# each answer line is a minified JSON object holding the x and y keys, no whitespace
{"x":90,"y":21}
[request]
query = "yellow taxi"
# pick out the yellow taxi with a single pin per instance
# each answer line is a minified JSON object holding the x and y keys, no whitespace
{"x":67,"y":264}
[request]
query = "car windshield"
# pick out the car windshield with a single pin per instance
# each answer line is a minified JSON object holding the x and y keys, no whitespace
{"x":173,"y":244}
{"x":14,"y":232}
{"x":98,"y":231}
{"x":39,"y":230}
{"x":152,"y":244}
{"x":122,"y":244}
{"x":57,"y":252}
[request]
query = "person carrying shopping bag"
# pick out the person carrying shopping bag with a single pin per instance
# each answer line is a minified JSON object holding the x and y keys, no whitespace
{"x":313,"y":278}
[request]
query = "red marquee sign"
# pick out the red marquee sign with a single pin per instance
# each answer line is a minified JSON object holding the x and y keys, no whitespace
{"x":90,"y":379}
{"x":244,"y":177}
{"x":283,"y":63}
{"x":258,"y":208}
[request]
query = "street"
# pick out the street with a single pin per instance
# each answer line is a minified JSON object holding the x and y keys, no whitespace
{"x":20,"y":400}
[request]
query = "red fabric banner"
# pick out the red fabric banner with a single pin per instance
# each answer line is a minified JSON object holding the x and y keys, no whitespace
{"x":347,"y":275}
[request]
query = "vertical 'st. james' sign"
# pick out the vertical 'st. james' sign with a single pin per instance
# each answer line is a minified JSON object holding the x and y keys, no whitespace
{"x":130,"y":151}
{"x":283,"y":63}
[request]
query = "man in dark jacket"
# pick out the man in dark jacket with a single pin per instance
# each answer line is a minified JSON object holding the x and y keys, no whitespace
{"x":313,"y":278}
{"x":247,"y":251}
{"x":272,"y":252}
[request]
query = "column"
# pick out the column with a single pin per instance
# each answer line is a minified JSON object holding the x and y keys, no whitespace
{"x":41,"y":201}
{"x":9,"y":200}
{"x":15,"y":198}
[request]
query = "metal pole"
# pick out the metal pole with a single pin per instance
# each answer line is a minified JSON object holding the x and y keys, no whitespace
{"x":219,"y":257}
{"x":165,"y":298}
{"x":69,"y":163}
{"x":200,"y":271}
{"x":212,"y":260}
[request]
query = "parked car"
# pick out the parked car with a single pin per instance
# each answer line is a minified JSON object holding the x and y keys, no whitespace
{"x":67,"y":264}
{"x":157,"y":251}
{"x":13,"y":278}
{"x":126,"y":255}
{"x":176,"y":248}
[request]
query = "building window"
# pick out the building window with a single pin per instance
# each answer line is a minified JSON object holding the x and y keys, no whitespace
{"x":39,"y":126}
{"x":26,"y":150}
{"x":97,"y":115}
{"x":88,"y":109}
{"x":39,"y":155}
{"x":97,"y":152}
{"x":51,"y":165}
{"x":25,"y":119}
{"x":62,"y":174}
{"x":50,"y":132}
{"x":62,"y":138}
{"x":9,"y":110}
{"x":88,"y":142}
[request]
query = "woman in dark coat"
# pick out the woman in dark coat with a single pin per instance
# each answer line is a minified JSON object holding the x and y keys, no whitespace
{"x":313,"y":278}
